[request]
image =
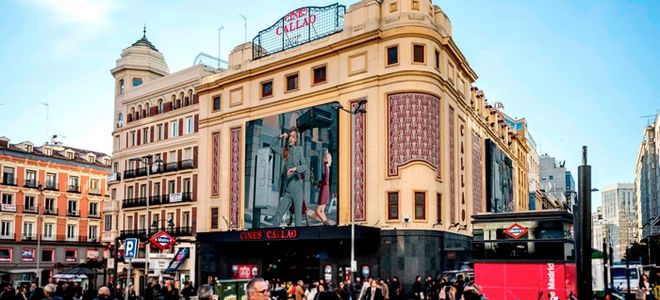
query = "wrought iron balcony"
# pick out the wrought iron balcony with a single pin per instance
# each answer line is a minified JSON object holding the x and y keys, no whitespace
{"x":186,"y":164}
{"x":158,"y":200}
{"x":73,"y":213}
{"x":174,"y":231}
{"x":8,"y":236}
{"x":73,"y":189}
{"x":129,"y":174}
{"x":31,"y":183}
{"x":134,"y":202}
{"x":8,"y":179}
{"x":171,"y":166}
{"x":51,"y":186}
{"x":50,"y":212}
{"x":30,"y":210}
{"x":95,"y":192}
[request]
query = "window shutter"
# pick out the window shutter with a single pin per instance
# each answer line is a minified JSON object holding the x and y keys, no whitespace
{"x":166,"y":131}
{"x":180,"y":127}
{"x":152,"y":134}
{"x":196,"y":123}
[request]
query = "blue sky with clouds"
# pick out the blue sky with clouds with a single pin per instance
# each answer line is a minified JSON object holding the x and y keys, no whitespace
{"x":580,"y":72}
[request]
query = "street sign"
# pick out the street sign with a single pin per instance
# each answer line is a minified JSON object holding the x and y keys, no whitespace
{"x":162,"y":240}
{"x":130,"y":248}
{"x":515,"y":231}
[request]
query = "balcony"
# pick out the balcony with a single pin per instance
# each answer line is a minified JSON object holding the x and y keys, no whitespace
{"x":171,"y":166}
{"x":186,"y":164}
{"x":8,"y":179}
{"x":129,"y":174}
{"x":94,"y":192}
{"x":28,"y":237}
{"x":50,"y":211}
{"x":73,"y":213}
{"x":114,"y":177}
{"x":8,"y":236}
{"x":51,"y":186}
{"x":158,"y":200}
{"x":30,"y":210}
{"x":174,"y":231}
{"x":95,"y":215}
{"x":73,"y":189}
{"x":141,"y":172}
{"x":30,"y":183}
{"x":134,"y":202}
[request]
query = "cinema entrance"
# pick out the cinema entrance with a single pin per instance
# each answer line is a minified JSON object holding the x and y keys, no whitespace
{"x":291,"y":254}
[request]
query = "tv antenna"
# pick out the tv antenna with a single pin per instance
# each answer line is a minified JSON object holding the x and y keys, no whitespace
{"x":47,"y":106}
{"x":650,"y":119}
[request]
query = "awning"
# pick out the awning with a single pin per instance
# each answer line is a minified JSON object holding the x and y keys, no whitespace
{"x":178,"y":260}
{"x":69,"y":277}
{"x":20,"y":271}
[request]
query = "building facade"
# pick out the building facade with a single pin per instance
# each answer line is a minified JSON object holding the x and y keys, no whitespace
{"x":553,"y":180}
{"x":50,"y":219}
{"x":428,"y":153}
{"x":621,"y":212}
{"x":647,"y":185}
{"x":155,"y":175}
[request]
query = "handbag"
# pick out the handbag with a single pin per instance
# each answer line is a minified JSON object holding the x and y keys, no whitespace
{"x":640,"y":294}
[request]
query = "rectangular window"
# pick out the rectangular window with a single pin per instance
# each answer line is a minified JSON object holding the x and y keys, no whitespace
{"x":142,"y":222}
{"x":28,"y":203}
{"x":5,"y":254}
{"x":51,"y":181}
{"x":319,"y":75}
{"x":137,"y":81}
{"x":48,"y":230}
{"x":27,"y":254}
{"x":216,"y":103}
{"x":420,"y":206}
{"x":437,"y":59}
{"x":129,"y":223}
{"x":214,"y":218}
{"x":94,"y":187}
{"x":8,"y":199}
{"x":71,"y":232}
{"x":174,"y":128}
{"x":93,"y":209}
{"x":8,"y":176}
{"x":159,"y":132}
{"x":133,"y":138}
{"x":72,"y":207}
{"x":70,"y":255}
{"x":171,"y":187}
{"x":393,"y":205}
{"x":73,"y":183}
{"x":267,"y":89}
{"x":107,"y":224}
{"x":185,"y":219}
{"x":418,"y":53}
{"x":292,"y":82}
{"x":438,"y":198}
{"x":48,"y":255}
{"x":28,"y":230}
{"x":189,"y":125}
{"x":5,"y":229}
{"x":145,"y":135}
{"x":49,"y":206}
{"x":143,"y":190}
{"x":93,"y":233}
{"x":393,"y":55}
{"x":31,"y":178}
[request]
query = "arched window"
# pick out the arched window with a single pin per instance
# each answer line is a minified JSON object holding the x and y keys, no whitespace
{"x":140,"y":112}
{"x":174,"y":101}
{"x":160,"y":106}
{"x":120,"y":120}
{"x":190,"y":96}
{"x":146,"y":109}
{"x":180,"y":100}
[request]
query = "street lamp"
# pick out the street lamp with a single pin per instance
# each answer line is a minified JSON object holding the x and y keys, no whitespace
{"x":146,"y":160}
{"x":357,"y":109}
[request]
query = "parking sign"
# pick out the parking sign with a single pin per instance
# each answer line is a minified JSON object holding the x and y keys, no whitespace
{"x":130,"y":248}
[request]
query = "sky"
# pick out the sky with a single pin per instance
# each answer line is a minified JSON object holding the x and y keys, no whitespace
{"x":580,"y":72}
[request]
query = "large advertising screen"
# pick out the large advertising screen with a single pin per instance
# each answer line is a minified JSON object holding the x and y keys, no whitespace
{"x":499,"y":180}
{"x":291,"y":170}
{"x":500,"y":281}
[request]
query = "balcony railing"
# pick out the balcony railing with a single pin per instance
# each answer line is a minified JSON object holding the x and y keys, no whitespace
{"x":50,"y":212}
{"x":51,"y":186}
{"x":95,"y":192}
{"x":129,"y":174}
{"x":73,"y":189}
{"x":174,"y":231}
{"x":31,"y":183}
{"x":141,"y":171}
{"x":94,"y":215}
{"x":186,"y":164}
{"x":30,"y":210}
{"x":8,"y":236}
{"x":28,"y":237}
{"x":114,"y":177}
{"x":73,"y":213}
{"x":158,"y":200}
{"x":171,"y":166}
{"x":8,"y":179}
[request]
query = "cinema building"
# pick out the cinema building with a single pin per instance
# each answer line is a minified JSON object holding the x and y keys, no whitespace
{"x":427,"y":154}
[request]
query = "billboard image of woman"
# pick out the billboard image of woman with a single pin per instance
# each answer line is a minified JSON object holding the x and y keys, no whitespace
{"x":289,"y":172}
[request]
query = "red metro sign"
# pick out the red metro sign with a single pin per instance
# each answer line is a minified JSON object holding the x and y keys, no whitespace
{"x":162,"y":240}
{"x":515,"y":231}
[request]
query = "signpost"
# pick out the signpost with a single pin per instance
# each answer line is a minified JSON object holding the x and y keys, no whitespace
{"x":130,"y":251}
{"x":162,"y":240}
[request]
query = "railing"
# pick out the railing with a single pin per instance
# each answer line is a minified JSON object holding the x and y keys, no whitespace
{"x":30,"y":210}
{"x":28,"y":237}
{"x":186,"y":164}
{"x":174,"y":231}
{"x":95,"y":215}
{"x":95,"y":192}
{"x":142,"y":171}
{"x":31,"y":183}
{"x":51,"y":186}
{"x":134,"y":202}
{"x":8,"y":179}
{"x":50,"y":212}
{"x":129,"y":174}
{"x":171,"y":166}
{"x":158,"y":200}
{"x":73,"y":189}
{"x":73,"y":213}
{"x":9,"y":236}
{"x":114,"y":177}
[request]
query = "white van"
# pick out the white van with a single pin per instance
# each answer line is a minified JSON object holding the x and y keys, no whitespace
{"x":618,"y":273}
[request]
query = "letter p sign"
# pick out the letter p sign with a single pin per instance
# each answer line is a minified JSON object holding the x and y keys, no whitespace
{"x":130,"y":248}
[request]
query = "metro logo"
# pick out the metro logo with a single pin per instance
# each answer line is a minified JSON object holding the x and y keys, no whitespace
{"x":515,"y":231}
{"x":162,"y":240}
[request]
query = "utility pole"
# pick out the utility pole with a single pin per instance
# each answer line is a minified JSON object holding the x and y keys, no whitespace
{"x":245,"y":26}
{"x":605,"y":264}
{"x":584,"y":279}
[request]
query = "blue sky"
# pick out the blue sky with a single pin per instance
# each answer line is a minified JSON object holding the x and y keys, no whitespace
{"x":580,"y":72}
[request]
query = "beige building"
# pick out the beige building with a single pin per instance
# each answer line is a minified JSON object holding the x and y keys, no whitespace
{"x":154,"y":182}
{"x":429,"y":152}
{"x":620,"y":213}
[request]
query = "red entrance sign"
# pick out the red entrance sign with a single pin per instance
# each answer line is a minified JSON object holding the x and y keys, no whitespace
{"x":515,"y":231}
{"x":273,"y":234}
{"x":162,"y":240}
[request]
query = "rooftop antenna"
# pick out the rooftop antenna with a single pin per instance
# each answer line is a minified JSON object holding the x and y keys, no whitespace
{"x":46,"y":105}
{"x":244,"y":25}
{"x":649,"y":119}
{"x":219,"y":36}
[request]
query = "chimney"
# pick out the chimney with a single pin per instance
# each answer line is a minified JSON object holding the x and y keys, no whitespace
{"x":4,"y":142}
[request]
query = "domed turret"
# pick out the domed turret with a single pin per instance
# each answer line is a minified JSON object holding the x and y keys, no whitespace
{"x":139,"y":63}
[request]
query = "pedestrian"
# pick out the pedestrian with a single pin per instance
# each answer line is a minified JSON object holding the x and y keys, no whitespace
{"x":417,"y":288}
{"x":644,"y":289}
{"x":103,"y":293}
{"x":205,"y":292}
{"x":386,"y":289}
{"x":374,"y":292}
{"x":22,"y":293}
{"x":341,"y":291}
{"x":258,"y":289}
{"x":365,"y":287}
{"x":312,"y":291}
{"x":170,"y":292}
{"x":188,"y":290}
{"x":49,"y":292}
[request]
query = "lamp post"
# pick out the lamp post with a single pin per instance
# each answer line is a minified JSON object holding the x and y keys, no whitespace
{"x":358,"y":109}
{"x":146,"y":160}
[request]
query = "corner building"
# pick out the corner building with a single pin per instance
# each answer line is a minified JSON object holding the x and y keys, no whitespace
{"x":429,"y":151}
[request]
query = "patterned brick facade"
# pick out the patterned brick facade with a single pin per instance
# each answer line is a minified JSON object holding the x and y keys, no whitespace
{"x":359,"y":167}
{"x":476,"y":172}
{"x":452,"y":168}
{"x":235,"y":178}
{"x":215,"y":176}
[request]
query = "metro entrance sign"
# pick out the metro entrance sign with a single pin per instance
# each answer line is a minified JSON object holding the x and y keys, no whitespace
{"x":162,"y":240}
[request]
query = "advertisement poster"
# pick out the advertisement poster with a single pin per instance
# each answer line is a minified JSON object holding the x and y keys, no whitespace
{"x":502,"y":281}
{"x":27,"y":254}
{"x":291,"y":170}
{"x":244,"y":271}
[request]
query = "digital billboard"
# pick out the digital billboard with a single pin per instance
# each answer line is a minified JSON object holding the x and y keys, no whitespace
{"x":499,"y":180}
{"x":291,"y":170}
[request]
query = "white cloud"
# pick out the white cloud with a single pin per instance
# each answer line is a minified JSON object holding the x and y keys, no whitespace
{"x":89,"y":13}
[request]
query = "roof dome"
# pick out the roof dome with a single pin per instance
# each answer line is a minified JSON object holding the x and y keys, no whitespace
{"x":144,"y":41}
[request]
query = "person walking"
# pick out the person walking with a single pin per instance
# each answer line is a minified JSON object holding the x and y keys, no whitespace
{"x":258,"y":289}
{"x":644,"y":289}
{"x":49,"y":292}
{"x":188,"y":290}
{"x":170,"y":292}
{"x":205,"y":292}
{"x":103,"y":293}
{"x":417,"y":288}
{"x":22,"y":293}
{"x":374,"y":292}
